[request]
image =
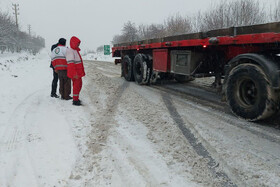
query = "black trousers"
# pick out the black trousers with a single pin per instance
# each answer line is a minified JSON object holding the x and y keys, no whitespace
{"x":54,"y":82}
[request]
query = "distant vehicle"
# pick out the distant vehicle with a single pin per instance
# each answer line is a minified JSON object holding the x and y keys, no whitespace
{"x":244,"y":60}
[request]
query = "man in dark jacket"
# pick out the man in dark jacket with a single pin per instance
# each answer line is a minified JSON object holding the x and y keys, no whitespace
{"x":55,"y":77}
{"x":60,"y":65}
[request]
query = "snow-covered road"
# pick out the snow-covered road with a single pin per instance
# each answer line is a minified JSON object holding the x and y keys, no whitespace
{"x":124,"y":135}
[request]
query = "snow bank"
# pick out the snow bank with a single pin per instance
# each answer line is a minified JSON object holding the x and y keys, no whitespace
{"x":9,"y":59}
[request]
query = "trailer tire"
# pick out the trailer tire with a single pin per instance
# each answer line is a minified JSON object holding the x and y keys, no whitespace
{"x":141,"y":69}
{"x":249,"y":93}
{"x":127,"y":68}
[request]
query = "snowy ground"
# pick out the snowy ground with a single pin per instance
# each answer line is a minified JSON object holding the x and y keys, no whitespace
{"x":124,"y":135}
{"x":99,"y":57}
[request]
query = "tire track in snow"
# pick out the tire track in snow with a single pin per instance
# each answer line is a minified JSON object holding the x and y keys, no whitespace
{"x":198,"y":147}
{"x":106,"y":118}
{"x":261,"y":129}
{"x":13,"y":140}
{"x":14,"y":132}
{"x":88,"y":170}
{"x":101,"y":82}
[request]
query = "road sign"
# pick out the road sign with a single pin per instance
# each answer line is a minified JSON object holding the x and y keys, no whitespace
{"x":107,"y":50}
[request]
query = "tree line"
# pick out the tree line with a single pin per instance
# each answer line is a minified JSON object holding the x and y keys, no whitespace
{"x":14,"y":40}
{"x":221,"y":15}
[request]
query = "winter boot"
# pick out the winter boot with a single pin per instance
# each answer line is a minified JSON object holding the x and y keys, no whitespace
{"x":67,"y":98}
{"x":54,"y":95}
{"x":77,"y":103}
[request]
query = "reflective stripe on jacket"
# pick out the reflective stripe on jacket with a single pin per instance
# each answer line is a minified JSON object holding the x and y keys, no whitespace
{"x":74,"y":59}
{"x":59,"y":58}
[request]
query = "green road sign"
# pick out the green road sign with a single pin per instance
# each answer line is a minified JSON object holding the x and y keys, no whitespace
{"x":107,"y":50}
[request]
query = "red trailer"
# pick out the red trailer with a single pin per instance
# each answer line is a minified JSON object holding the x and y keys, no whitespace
{"x":244,"y":60}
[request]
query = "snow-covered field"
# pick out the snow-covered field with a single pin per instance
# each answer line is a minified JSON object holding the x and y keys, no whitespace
{"x":124,"y":135}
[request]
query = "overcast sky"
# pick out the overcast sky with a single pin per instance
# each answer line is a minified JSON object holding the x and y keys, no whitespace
{"x":95,"y":22}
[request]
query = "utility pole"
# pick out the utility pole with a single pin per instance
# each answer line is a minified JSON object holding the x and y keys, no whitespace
{"x":29,"y":29}
{"x":16,"y":13}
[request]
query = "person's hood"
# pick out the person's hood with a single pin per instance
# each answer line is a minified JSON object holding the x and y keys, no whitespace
{"x":74,"y":43}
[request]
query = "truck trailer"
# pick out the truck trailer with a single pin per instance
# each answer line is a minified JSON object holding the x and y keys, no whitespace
{"x":244,"y":60}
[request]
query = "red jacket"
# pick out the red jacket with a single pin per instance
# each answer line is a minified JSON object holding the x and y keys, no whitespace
{"x":74,"y":59}
{"x":58,"y":58}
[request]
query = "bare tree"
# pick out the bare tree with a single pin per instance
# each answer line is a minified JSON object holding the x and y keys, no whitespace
{"x":226,"y":13}
{"x":196,"y":22}
{"x":274,"y":12}
{"x":231,"y":13}
{"x":129,"y":32}
{"x":12,"y":39}
{"x":151,"y":31}
{"x":247,"y":12}
{"x":143,"y":31}
{"x":118,"y":39}
{"x":176,"y":24}
{"x":100,"y":49}
{"x":7,"y":32}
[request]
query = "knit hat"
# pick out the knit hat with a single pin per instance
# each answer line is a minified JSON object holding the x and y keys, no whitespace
{"x":62,"y":41}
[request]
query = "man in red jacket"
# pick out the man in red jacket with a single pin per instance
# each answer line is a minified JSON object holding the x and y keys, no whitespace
{"x":75,"y":69}
{"x":60,"y":65}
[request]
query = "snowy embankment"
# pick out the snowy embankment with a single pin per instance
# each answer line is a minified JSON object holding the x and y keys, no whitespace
{"x":37,"y":142}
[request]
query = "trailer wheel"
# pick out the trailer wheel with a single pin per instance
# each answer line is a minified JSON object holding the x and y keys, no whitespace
{"x":141,"y":69}
{"x":127,"y":68}
{"x":249,"y":94}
